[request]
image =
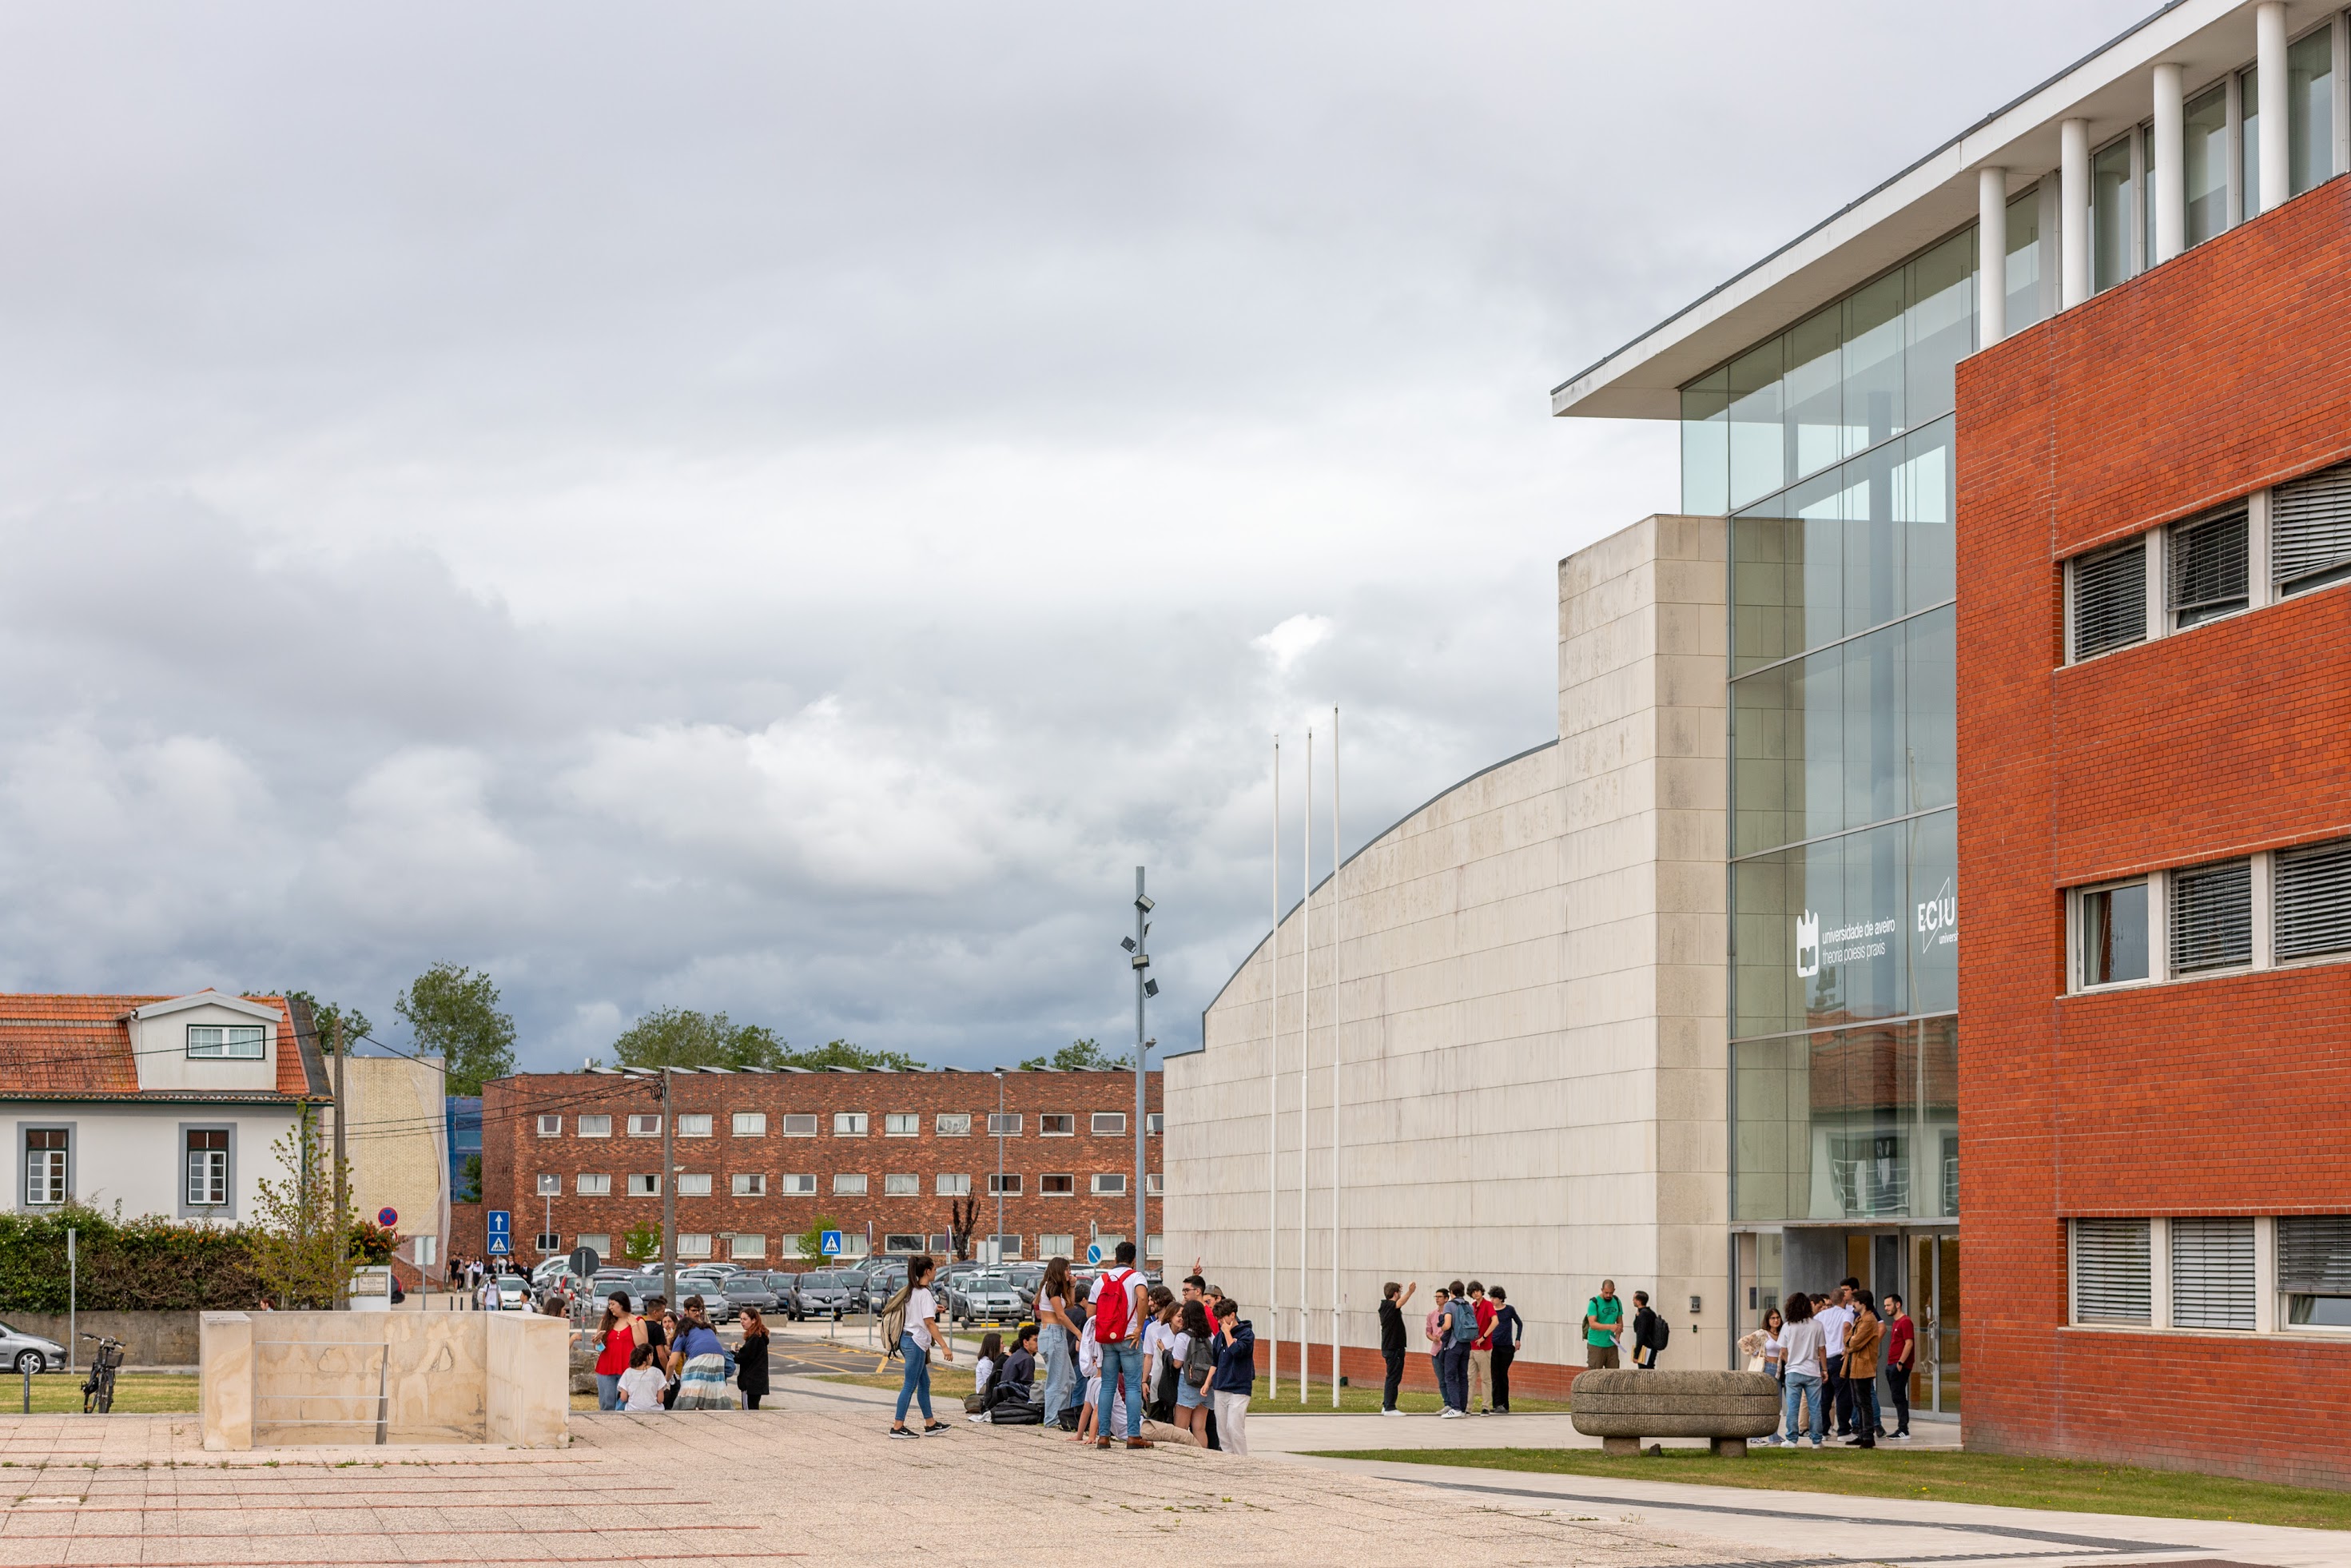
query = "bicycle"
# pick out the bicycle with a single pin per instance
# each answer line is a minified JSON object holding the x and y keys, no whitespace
{"x":98,"y":1393}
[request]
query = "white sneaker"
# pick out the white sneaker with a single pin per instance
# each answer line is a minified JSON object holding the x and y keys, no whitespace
{"x":1391,"y":1412}
{"x":1452,"y":1415}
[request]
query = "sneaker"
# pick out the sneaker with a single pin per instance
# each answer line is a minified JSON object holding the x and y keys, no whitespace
{"x":1857,"y":1442}
{"x":905,"y":1432}
{"x":1399,"y":1413}
{"x":1774,"y":1441}
{"x":1816,"y":1443}
{"x":1449,"y":1415}
{"x":1899,"y":1437}
{"x":930,"y":1428}
{"x":978,"y":1420}
{"x":1483,"y":1411}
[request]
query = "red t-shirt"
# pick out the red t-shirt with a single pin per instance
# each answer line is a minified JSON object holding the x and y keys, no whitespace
{"x":1898,"y":1342}
{"x":1485,"y":1340}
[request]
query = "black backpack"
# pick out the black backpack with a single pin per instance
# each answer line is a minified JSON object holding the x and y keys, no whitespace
{"x":1658,"y":1337}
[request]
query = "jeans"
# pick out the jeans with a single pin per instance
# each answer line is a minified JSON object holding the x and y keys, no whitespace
{"x":1120,"y":1361}
{"x":1481,"y":1376}
{"x":1394,"y":1358}
{"x":917,"y":1384}
{"x":1231,"y":1411}
{"x":1801,"y":1387}
{"x":608,"y":1391}
{"x":1863,"y":1392}
{"x":1060,"y":1372}
{"x":1454,"y":1376}
{"x":1897,"y":1384}
{"x":1503,"y":1356}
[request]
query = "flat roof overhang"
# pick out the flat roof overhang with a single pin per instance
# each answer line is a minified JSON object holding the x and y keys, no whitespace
{"x":1934,"y":196}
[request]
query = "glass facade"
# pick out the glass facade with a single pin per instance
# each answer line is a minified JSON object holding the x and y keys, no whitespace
{"x":1855,"y":1124}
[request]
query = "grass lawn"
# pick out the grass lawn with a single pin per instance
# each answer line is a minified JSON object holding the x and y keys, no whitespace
{"x":1363,"y":1399}
{"x":947,"y":1382}
{"x":1936,"y":1474}
{"x":135,"y":1393}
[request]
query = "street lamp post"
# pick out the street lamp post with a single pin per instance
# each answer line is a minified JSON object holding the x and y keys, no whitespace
{"x":1145,"y":989}
{"x":996,"y":1242}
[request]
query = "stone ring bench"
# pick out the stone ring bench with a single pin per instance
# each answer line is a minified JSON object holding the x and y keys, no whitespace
{"x":1620,"y":1407}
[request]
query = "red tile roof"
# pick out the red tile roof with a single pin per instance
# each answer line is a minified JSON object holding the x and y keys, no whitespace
{"x":80,"y":1045}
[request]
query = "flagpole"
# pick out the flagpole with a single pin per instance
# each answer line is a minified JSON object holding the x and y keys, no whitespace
{"x":1273,"y":1101}
{"x":1338,"y":1187}
{"x":1305,"y":1022}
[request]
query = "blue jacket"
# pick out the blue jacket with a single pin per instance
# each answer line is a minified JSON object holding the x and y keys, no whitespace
{"x":1236,"y":1362}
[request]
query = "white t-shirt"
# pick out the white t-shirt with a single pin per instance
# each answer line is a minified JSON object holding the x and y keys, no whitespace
{"x":979,"y":1373}
{"x":921,"y":1308}
{"x":1155,"y":1334}
{"x":1801,"y":1342}
{"x":1089,"y":1351}
{"x":642,"y":1387}
{"x":1834,"y":1321}
{"x":1177,"y":1342}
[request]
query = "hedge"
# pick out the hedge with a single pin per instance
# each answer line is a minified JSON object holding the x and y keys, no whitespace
{"x":124,"y":1265}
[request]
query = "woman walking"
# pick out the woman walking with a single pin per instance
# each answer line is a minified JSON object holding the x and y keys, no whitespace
{"x":1057,"y":1335}
{"x":699,"y":1362}
{"x":751,"y":1359}
{"x":914,"y":1339}
{"x":620,"y":1333}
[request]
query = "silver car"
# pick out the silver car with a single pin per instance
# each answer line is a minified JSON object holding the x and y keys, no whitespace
{"x":20,"y":1351}
{"x":828,"y":1294}
{"x":983,"y":1298}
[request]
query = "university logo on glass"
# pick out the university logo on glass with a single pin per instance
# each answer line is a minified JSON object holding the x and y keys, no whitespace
{"x":1937,"y":920}
{"x":1808,"y":944}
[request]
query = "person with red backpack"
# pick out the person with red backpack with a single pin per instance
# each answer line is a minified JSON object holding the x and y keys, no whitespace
{"x":1118,"y":1316}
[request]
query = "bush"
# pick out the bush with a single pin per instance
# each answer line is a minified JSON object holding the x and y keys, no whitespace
{"x":125,"y":1265}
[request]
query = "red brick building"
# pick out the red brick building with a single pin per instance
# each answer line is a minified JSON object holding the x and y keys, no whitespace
{"x":760,"y":1156}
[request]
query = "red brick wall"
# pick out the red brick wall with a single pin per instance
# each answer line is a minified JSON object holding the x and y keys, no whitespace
{"x":514,"y":1156}
{"x":2210,"y":377}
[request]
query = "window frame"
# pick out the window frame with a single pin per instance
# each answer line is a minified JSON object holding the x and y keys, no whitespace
{"x":746,"y":1124}
{"x":1047,"y":1129}
{"x":695,"y":1124}
{"x":790,"y":1184}
{"x":911,"y":1183}
{"x":941,"y":1126}
{"x":189,"y":1209}
{"x":941,"y":1183}
{"x":550,"y":1125}
{"x":1045,"y":1187}
{"x":747,"y":1184}
{"x":72,"y":1130}
{"x":685,"y":1190}
{"x":695,"y":1244}
{"x":580,"y":1190}
{"x":652,"y":1186}
{"x":1096,"y":1128}
{"x":789,"y":1131}
{"x":549,"y":1185}
{"x":1004,"y":1124}
{"x":592,"y":1126}
{"x":644,"y":1125}
{"x":2254,"y":921}
{"x":852,"y":1184}
{"x":2078,"y":982}
{"x":2151,"y":594}
{"x":1005,"y":1183}
{"x":737,"y":1252}
{"x":911,"y":1129}
{"x":851,"y":1123}
{"x":1096,"y":1190}
{"x":260,"y":1043}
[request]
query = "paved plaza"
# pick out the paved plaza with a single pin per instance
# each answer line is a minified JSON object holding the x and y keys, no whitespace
{"x":817,"y":1479}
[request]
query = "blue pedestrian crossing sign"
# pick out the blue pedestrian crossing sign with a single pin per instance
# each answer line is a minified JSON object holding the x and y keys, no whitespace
{"x":501,"y":1232}
{"x":1093,"y":1254}
{"x":828,"y":1243}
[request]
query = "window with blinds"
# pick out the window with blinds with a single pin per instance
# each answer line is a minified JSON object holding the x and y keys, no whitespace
{"x":2212,"y":916}
{"x":2313,"y":893}
{"x":2212,"y":1274}
{"x":2310,"y":530}
{"x":2211,"y":569}
{"x":2313,"y":1267}
{"x":2113,"y":1267}
{"x":2110,"y":599}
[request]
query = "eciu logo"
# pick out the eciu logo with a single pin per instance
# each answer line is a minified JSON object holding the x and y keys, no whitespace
{"x":1939,"y":918}
{"x":1808,"y":945}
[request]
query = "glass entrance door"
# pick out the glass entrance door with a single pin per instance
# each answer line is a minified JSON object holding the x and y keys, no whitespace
{"x":1935,"y":1309}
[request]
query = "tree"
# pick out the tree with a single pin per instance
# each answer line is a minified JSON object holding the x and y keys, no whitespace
{"x":963,"y":1217}
{"x":469,"y":1179}
{"x":302,"y":1247}
{"x":642,"y":1243}
{"x":327,"y":1014}
{"x":1078,"y":1056}
{"x":453,"y":1012}
{"x":842,"y":1053}
{"x":680,"y":1037}
{"x":810,"y":1244}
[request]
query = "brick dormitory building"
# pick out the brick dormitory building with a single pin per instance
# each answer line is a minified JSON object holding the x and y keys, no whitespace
{"x":761,"y":1156}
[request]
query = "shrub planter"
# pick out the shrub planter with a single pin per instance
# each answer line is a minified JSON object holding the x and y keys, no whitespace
{"x":1620,"y":1407}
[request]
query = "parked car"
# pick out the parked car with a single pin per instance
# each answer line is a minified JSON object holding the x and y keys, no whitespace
{"x":788,"y":1293}
{"x":1026,"y":1278}
{"x":983,"y":1298}
{"x":830,"y":1294}
{"x":749,"y":1290}
{"x":20,"y":1351}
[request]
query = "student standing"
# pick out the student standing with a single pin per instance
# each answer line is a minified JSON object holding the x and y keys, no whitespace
{"x":1432,"y":1330}
{"x":1901,"y":1358}
{"x":698,"y":1362}
{"x":1645,"y":1333}
{"x":616,"y":1338}
{"x":751,"y":1359}
{"x":1604,"y":1325}
{"x":1460,"y":1333}
{"x":1836,"y":1320}
{"x":1195,"y":1364}
{"x":1807,"y":1370}
{"x":1393,"y":1298}
{"x":914,"y":1345}
{"x":1481,"y":1351}
{"x":1117,"y":1301}
{"x":1507,"y":1327}
{"x":1235,"y":1378}
{"x":1057,"y":1336}
{"x":1861,"y":1346}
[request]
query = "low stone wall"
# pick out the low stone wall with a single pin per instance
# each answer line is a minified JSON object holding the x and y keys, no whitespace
{"x":294,"y":1379}
{"x":149,"y":1339}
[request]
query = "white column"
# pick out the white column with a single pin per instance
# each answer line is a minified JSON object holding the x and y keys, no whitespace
{"x":2268,"y":56}
{"x":1991,"y":256}
{"x":2168,"y":178}
{"x":2073,"y":213}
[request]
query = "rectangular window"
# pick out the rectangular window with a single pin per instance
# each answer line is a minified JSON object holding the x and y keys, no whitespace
{"x":2212,"y":916}
{"x":45,"y":1167}
{"x":743,"y":1245}
{"x":694,"y":1125}
{"x":2249,"y":141}
{"x":1155,"y":1124}
{"x":1004,"y":1124}
{"x":1110,"y":1184}
{"x":2206,"y":129}
{"x":901,"y":1245}
{"x":852,"y":1244}
{"x":902,"y":1125}
{"x":1155,"y":1247}
{"x":2212,"y":1274}
{"x":1057,"y":1186}
{"x":799,"y":1126}
{"x":645,"y":1126}
{"x":693,"y":1244}
{"x":551,"y":1186}
{"x":750,"y":1123}
{"x":750,"y":1184}
{"x":2310,"y":530}
{"x":1008,"y":1248}
{"x":2313,"y":1265}
{"x":1056,"y":1125}
{"x":2209,"y":567}
{"x":941,"y":1244}
{"x":2112,"y":215}
{"x":550,"y":1126}
{"x":1007,"y":1186}
{"x":598,"y":1242}
{"x":595,"y":1127}
{"x":902,"y":1185}
{"x":208,"y":1168}
{"x":2113,"y":1264}
{"x":644,"y":1186}
{"x":1055,"y":1244}
{"x":848,"y":1183}
{"x":1153,"y":1185}
{"x":2110,"y":599}
{"x":1108,"y":1124}
{"x":236,"y":1042}
{"x":549,"y":1243}
{"x":848,"y":1124}
{"x":950,"y":1186}
{"x":2114,"y":935}
{"x":693,"y":1185}
{"x":796,"y":1185}
{"x":2310,"y":110}
{"x":2313,"y":896}
{"x":1108,"y":1241}
{"x":593,"y":1186}
{"x":954,"y":1124}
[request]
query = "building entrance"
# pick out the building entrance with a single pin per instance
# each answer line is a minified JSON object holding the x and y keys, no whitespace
{"x":1921,"y":1266}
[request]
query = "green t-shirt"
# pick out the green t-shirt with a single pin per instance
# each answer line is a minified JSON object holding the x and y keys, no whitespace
{"x":1610,"y":1311}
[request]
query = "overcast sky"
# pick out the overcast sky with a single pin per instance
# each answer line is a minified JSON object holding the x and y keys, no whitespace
{"x":781,"y":507}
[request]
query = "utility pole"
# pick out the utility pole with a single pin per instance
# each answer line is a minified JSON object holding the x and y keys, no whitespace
{"x":996,"y":1242}
{"x":669,"y":1200}
{"x":1144,"y":986}
{"x":342,"y":1194}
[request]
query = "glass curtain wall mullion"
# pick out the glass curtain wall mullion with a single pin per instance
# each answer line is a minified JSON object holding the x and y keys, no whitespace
{"x":1841,"y":833}
{"x":1850,"y":637}
{"x":1856,"y":1125}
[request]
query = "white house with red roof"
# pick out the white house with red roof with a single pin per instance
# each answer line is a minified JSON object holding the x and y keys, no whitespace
{"x":154,"y":1105}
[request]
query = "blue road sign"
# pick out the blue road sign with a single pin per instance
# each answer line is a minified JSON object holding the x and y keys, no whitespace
{"x":1093,"y":1255}
{"x":501,"y":1232}
{"x":828,"y":1243}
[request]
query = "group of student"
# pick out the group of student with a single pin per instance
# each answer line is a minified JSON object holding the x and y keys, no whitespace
{"x":1187,"y":1361}
{"x":1473,"y":1335}
{"x":1828,"y":1350}
{"x":653,"y":1361}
